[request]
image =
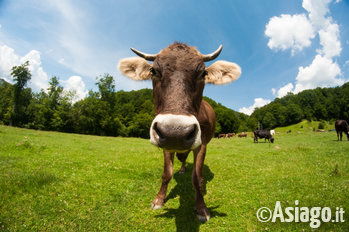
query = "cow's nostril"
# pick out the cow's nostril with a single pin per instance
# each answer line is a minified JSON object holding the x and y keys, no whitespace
{"x":155,"y":127}
{"x":192,"y":134}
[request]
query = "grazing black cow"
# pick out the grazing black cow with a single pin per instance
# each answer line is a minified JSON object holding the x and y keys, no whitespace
{"x":263,"y":134}
{"x":341,"y":126}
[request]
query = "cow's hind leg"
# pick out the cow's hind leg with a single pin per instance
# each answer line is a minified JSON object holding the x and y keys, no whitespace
{"x":182,"y":157}
{"x":159,"y":200}
{"x":197,"y":178}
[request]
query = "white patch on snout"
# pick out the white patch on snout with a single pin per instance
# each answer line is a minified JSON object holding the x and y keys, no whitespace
{"x":172,"y":120}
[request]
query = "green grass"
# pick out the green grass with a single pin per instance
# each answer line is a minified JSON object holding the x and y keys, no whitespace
{"x":53,"y":181}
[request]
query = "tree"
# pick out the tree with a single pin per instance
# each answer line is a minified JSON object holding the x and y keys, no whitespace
{"x":269,"y":121}
{"x":294,"y":114}
{"x":54,"y":92}
{"x":21,"y":75}
{"x":6,"y":102}
{"x":106,"y":88}
{"x":140,"y":125}
{"x":227,"y":120}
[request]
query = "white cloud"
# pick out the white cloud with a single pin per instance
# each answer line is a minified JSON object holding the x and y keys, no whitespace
{"x":8,"y":59}
{"x":317,"y":11}
{"x":258,"y":102}
{"x":329,"y":39}
{"x":283,"y":90}
{"x":289,"y":31}
{"x":322,"y":72}
{"x":76,"y":84}
{"x":328,"y":30}
{"x":39,"y":76}
{"x":296,"y":31}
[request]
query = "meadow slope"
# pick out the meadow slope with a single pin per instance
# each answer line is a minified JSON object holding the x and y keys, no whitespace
{"x":53,"y":181}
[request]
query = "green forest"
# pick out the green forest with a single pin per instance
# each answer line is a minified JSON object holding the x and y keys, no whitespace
{"x":320,"y":104}
{"x":129,"y":114}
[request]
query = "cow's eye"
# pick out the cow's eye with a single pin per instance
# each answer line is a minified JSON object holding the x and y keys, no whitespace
{"x":203,"y":75}
{"x":154,"y":72}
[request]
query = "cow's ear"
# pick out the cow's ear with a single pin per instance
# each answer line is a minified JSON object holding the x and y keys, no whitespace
{"x":222,"y":72}
{"x":135,"y":68}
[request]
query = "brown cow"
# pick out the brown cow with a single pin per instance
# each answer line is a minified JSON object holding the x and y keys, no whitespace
{"x":230,"y":135}
{"x":243,"y":134}
{"x":222,"y":136}
{"x":183,"y":122}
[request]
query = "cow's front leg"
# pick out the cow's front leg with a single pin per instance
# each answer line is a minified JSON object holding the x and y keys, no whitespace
{"x":159,"y":200}
{"x":182,"y":157}
{"x":199,"y":157}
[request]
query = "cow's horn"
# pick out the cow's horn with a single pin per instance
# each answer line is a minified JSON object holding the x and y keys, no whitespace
{"x":213,"y":55}
{"x":150,"y":57}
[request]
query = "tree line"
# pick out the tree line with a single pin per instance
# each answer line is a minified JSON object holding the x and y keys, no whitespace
{"x":120,"y":113}
{"x":328,"y":104}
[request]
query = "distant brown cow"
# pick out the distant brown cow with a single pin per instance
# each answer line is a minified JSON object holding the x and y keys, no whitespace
{"x":222,"y":136}
{"x":230,"y":135}
{"x":243,"y":134}
{"x":341,"y":126}
{"x":183,"y":121}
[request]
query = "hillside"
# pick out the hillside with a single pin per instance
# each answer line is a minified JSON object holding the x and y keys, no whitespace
{"x":2,"y":82}
{"x":306,"y":126}
{"x":318,"y":104}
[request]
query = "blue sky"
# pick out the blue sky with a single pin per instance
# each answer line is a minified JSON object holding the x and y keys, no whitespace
{"x":282,"y":46}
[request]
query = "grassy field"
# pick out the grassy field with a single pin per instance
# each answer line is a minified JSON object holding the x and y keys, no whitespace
{"x":66,"y":182}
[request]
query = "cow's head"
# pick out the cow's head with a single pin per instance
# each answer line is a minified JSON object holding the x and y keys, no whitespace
{"x":179,"y":74}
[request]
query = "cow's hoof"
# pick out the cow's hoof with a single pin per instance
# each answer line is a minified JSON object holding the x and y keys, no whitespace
{"x":157,"y":204}
{"x":202,"y":218}
{"x":203,"y":215}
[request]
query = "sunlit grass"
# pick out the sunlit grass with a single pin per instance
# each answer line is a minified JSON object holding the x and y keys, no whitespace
{"x":66,"y":182}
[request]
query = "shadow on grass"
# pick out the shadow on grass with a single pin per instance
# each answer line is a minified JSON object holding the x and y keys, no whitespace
{"x":185,"y":215}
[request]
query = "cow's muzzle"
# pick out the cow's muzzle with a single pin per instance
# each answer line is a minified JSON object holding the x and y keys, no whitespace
{"x":175,"y":133}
